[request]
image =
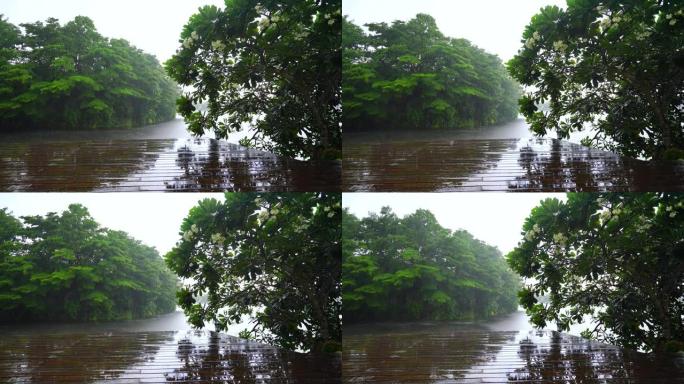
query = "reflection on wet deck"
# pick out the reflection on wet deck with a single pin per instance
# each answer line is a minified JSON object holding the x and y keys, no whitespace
{"x":157,"y":165}
{"x":499,"y":165}
{"x":156,"y":357}
{"x":454,"y":353}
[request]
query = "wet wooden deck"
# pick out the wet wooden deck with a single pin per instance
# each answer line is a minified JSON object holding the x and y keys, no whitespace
{"x":156,"y":357}
{"x":157,"y":165}
{"x":521,"y":165}
{"x":446,"y":355}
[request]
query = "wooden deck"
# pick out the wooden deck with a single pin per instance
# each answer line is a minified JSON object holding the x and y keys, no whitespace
{"x":521,"y":165}
{"x":156,"y":357}
{"x":445,"y":355}
{"x":157,"y":165}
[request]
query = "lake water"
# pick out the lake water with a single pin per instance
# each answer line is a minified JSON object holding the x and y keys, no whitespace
{"x":506,"y":350}
{"x":158,"y":350}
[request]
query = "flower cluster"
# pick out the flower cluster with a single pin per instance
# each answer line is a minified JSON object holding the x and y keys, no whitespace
{"x":218,"y":45}
{"x":560,"y":46}
{"x":532,"y":41}
{"x":671,"y":18}
{"x":187,"y":43}
{"x":217,"y":238}
{"x":560,"y":239}
{"x":189,"y":234}
{"x":529,"y":236}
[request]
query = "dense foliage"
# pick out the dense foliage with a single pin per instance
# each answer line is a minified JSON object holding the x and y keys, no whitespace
{"x":71,"y":77}
{"x":274,"y":257}
{"x":272,"y":66}
{"x":618,"y":258}
{"x":409,"y":75}
{"x":614,"y":66}
{"x":66,"y":267}
{"x":412,"y":268}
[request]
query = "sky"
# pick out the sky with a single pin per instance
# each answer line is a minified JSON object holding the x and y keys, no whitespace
{"x":151,"y":25}
{"x":153,"y":218}
{"x":493,"y":25}
{"x":495,"y":218}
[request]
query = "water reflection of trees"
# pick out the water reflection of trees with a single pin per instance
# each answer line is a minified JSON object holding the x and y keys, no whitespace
{"x":567,"y":359}
{"x":75,"y":165}
{"x":75,"y":358}
{"x":417,"y":352}
{"x":421,"y":165}
{"x":555,"y":165}
{"x":212,"y":165}
{"x":221,"y":358}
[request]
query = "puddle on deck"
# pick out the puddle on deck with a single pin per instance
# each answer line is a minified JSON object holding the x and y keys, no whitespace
{"x":157,"y":165}
{"x":448,"y":353}
{"x":156,"y":357}
{"x":499,"y":165}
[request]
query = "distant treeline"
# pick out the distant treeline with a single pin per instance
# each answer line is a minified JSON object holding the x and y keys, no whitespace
{"x":71,"y":77}
{"x":66,"y":267}
{"x":412,"y":268}
{"x":408,"y":75}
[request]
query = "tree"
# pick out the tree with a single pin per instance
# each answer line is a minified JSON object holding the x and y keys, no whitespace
{"x":411,"y":268}
{"x":273,"y":257}
{"x":618,"y":258}
{"x":272,"y":65}
{"x":66,"y":267}
{"x":408,"y":75}
{"x":614,"y":66}
{"x":71,"y":77}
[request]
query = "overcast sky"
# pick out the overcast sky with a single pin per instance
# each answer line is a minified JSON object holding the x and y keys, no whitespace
{"x":151,"y":25}
{"x":494,"y":25}
{"x":153,"y":218}
{"x":495,"y":218}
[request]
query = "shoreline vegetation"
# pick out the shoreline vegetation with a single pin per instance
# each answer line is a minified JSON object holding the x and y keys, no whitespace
{"x":65,"y":267}
{"x":69,"y":77}
{"x":412,"y":269}
{"x":408,"y":75}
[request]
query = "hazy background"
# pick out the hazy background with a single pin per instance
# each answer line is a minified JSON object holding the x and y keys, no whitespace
{"x":153,"y":218}
{"x":494,"y":25}
{"x":495,"y":218}
{"x":151,"y":25}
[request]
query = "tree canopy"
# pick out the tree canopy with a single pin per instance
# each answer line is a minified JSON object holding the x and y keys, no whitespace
{"x":68,"y":76}
{"x":412,"y":268}
{"x":272,"y":66}
{"x":614,"y":66}
{"x":66,"y":267}
{"x":409,"y":75}
{"x":273,"y":257}
{"x":618,"y":258}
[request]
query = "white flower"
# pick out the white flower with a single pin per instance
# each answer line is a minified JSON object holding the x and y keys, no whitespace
{"x":264,"y":23}
{"x":673,"y":22}
{"x":187,"y":236}
{"x":605,"y":23}
{"x":274,"y":211}
{"x":187,"y":43}
{"x":616,"y":19}
{"x":263,"y":215}
{"x":218,"y":45}
{"x":668,"y":208}
{"x":194,"y":35}
{"x":194,"y":228}
{"x":275,"y":18}
{"x":327,"y":16}
{"x":668,"y":16}
{"x":217,"y":238}
{"x":560,"y":239}
{"x":535,"y":35}
{"x":259,"y":9}
{"x":331,"y":21}
{"x":331,"y":214}
{"x":536,"y":228}
{"x":560,"y":46}
{"x":673,"y":214}
{"x":601,"y":8}
{"x":529,"y":235}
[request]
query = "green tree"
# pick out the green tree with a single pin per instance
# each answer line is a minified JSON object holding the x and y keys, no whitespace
{"x":412,"y":268}
{"x":71,"y":77}
{"x":66,"y":267}
{"x":614,"y":66}
{"x":272,"y":65}
{"x":618,"y":258}
{"x":408,"y":75}
{"x":273,"y":257}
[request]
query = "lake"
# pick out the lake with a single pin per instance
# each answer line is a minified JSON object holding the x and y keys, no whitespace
{"x":504,"y":350}
{"x":158,"y":350}
{"x":161,"y":157}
